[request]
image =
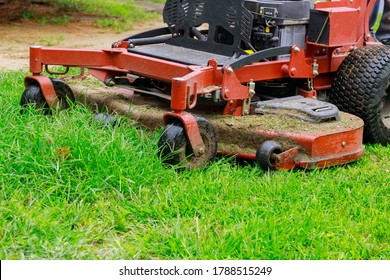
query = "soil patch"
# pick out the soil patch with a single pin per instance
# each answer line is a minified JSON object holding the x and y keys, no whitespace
{"x":17,"y":36}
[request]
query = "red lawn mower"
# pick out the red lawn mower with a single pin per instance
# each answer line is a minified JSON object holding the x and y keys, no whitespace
{"x":285,"y":83}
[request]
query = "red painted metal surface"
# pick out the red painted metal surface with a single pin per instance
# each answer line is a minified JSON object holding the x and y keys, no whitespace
{"x":118,"y":60}
{"x":314,"y":150}
{"x":201,"y":81}
{"x":349,"y":21}
{"x":342,"y":23}
{"x":286,"y":160}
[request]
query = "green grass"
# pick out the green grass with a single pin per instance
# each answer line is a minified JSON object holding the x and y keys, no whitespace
{"x":62,"y":20}
{"x":119,"y":15}
{"x":377,"y":22}
{"x":52,"y":40}
{"x":70,"y":189}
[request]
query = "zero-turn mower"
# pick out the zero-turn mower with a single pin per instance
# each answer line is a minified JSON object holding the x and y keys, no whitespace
{"x":286,"y":83}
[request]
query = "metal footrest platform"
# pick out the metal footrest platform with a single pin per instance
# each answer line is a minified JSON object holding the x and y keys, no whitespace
{"x":179,"y":54}
{"x":307,"y":109}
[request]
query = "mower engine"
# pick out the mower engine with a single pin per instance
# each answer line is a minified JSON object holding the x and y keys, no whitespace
{"x":278,"y":23}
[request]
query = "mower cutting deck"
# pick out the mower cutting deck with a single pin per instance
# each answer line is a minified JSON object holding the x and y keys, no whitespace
{"x":244,"y":77}
{"x":286,"y":140}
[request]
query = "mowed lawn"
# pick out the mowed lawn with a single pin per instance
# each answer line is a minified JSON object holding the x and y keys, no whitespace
{"x":71,"y":189}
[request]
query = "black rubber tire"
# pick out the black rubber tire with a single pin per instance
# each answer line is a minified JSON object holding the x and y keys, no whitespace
{"x":33,"y":96}
{"x":65,"y":94}
{"x":174,"y":147}
{"x":105,"y":119}
{"x":362,"y":87}
{"x":265,"y":154}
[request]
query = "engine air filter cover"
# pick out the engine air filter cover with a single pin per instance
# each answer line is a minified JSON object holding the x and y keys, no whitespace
{"x":283,"y":10}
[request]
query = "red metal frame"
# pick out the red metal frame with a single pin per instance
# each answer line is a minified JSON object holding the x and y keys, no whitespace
{"x":317,"y":62}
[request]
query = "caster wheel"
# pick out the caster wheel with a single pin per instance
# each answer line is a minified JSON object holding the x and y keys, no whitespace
{"x":33,"y":97}
{"x":266,"y":154}
{"x":174,"y":147}
{"x":105,"y":119}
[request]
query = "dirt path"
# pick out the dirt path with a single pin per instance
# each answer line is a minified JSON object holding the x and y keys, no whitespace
{"x":16,"y":38}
